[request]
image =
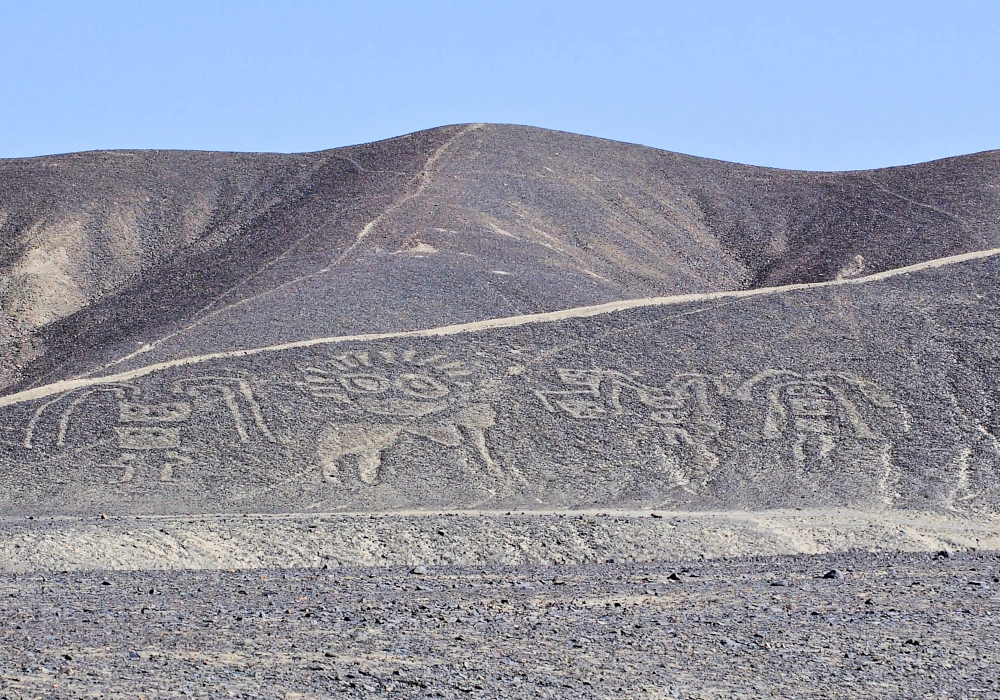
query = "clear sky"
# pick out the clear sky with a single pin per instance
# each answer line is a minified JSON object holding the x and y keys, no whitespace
{"x":802,"y":84}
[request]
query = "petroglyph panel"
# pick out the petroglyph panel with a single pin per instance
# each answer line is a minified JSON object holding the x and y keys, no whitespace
{"x":637,"y":409}
{"x":364,"y":418}
{"x":825,"y":431}
{"x":597,"y":393}
{"x":676,"y":420}
{"x":51,"y":420}
{"x":433,"y":398}
{"x":238,"y":398}
{"x":829,"y":424}
{"x":817,"y":403}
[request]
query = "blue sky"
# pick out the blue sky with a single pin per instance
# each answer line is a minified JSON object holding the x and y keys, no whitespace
{"x":810,"y":85}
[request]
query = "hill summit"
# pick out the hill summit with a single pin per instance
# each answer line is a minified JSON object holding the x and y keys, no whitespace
{"x":121,"y":259}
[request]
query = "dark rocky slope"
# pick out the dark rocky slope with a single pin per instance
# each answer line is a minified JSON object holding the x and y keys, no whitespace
{"x":874,"y":394}
{"x":182,"y":253}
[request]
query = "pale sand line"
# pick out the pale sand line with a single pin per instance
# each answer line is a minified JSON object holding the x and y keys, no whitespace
{"x":489,"y":324}
{"x":387,"y":541}
{"x":422,"y":181}
{"x":801,"y":514}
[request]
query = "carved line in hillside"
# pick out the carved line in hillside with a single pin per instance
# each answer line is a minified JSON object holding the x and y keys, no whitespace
{"x":317,"y":166}
{"x":814,"y":420}
{"x":119,"y":390}
{"x":679,"y":420}
{"x":422,"y":180}
{"x":197,"y":385}
{"x":923,"y":205}
{"x":145,"y":429}
{"x":820,"y":413}
{"x":232,"y":390}
{"x":508,"y":322}
{"x":205,"y":309}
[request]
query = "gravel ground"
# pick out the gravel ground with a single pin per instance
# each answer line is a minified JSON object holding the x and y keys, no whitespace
{"x":886,"y":625}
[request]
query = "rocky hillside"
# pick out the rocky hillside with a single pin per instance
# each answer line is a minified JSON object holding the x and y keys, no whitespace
{"x":115,"y":260}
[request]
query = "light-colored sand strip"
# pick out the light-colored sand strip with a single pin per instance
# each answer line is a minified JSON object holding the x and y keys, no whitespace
{"x":393,"y":539}
{"x":508,"y":322}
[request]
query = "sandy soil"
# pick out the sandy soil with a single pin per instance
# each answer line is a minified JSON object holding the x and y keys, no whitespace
{"x":467,"y":538}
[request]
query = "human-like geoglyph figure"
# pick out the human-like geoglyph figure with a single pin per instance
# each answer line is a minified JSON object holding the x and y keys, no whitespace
{"x":148,"y":434}
{"x":394,"y":394}
{"x":679,"y":416}
{"x":816,"y":411}
{"x":65,"y":406}
{"x":149,"y":428}
{"x":235,"y":392}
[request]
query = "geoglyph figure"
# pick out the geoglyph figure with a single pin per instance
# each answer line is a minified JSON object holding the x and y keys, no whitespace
{"x":150,"y":433}
{"x":679,"y":416}
{"x":820,"y":414}
{"x":816,"y":409}
{"x":398,"y":394}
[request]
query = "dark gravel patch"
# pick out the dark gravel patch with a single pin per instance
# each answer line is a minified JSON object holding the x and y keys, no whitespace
{"x":897,"y":625}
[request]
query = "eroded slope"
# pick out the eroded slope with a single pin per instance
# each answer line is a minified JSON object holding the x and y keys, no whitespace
{"x":120,"y":259}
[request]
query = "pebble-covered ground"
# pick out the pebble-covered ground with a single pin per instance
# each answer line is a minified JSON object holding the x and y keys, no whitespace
{"x":904,"y":625}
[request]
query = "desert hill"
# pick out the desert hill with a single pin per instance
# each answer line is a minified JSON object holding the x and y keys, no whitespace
{"x":495,"y":320}
{"x":115,"y":260}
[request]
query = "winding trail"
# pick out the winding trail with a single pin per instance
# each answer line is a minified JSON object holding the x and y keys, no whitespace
{"x":206,"y":314}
